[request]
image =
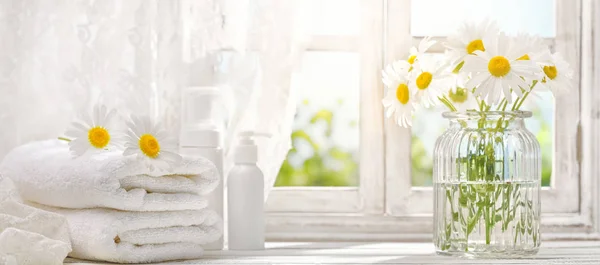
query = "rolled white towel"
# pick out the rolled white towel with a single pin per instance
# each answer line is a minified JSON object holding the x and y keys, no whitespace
{"x":139,"y":237}
{"x":46,"y":173}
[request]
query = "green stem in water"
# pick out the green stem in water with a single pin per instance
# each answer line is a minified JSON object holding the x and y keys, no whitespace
{"x":486,"y":219}
{"x":64,"y":139}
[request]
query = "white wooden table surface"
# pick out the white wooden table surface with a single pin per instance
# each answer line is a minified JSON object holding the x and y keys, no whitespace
{"x":581,"y":252}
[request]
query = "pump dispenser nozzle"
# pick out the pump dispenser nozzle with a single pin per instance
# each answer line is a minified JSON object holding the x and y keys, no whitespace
{"x":246,"y":151}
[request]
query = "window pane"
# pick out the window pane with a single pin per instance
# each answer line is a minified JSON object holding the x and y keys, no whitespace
{"x":333,"y":17}
{"x":428,"y":124}
{"x":442,"y":17}
{"x":326,"y":133}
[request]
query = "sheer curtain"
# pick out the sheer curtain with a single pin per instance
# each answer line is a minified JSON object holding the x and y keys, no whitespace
{"x":57,"y":58}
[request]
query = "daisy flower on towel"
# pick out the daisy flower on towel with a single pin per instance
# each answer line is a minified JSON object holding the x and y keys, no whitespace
{"x":93,"y":133}
{"x":150,"y":143}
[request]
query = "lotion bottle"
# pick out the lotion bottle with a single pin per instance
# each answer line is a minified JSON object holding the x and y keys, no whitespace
{"x":245,"y":198}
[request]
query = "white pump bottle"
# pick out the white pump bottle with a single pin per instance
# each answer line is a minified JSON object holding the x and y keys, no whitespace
{"x":201,"y":136}
{"x":245,"y":197}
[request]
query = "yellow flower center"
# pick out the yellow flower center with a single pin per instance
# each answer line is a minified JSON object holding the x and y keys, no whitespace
{"x":460,"y":96}
{"x":524,"y":57}
{"x":149,"y":145}
{"x":412,"y":59}
{"x":402,"y":93}
{"x":550,"y":72}
{"x":499,"y":66}
{"x":98,"y":137}
{"x":424,"y":80}
{"x":476,"y":45}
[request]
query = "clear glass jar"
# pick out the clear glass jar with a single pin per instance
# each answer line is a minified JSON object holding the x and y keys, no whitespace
{"x":487,"y":181}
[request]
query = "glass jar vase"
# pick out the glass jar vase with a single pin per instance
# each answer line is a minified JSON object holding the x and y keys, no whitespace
{"x":487,"y":181}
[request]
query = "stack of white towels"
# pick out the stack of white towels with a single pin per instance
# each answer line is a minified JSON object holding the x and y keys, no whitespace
{"x":29,"y":236}
{"x":116,"y":208}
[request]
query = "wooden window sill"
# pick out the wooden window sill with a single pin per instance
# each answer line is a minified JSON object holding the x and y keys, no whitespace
{"x":558,"y":252}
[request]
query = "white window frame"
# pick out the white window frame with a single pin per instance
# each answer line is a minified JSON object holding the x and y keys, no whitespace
{"x":388,"y":208}
{"x":562,"y":197}
{"x":367,"y":198}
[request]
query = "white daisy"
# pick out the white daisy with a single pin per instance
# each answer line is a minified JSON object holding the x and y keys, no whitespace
{"x":398,"y":100}
{"x":497,"y":72}
{"x":470,"y":38}
{"x":463,"y":99}
{"x":93,"y":133}
{"x":531,"y":47}
{"x":417,"y":52}
{"x":428,"y":80}
{"x":557,"y":76}
{"x":150,"y":143}
{"x":534,"y":49}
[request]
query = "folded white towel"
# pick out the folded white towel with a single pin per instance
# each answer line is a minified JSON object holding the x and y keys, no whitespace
{"x":21,"y":247}
{"x":139,"y":237}
{"x":29,"y":235}
{"x":46,"y":173}
{"x":23,"y":217}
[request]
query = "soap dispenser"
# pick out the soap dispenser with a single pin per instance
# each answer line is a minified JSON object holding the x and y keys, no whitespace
{"x":245,"y":197}
{"x":201,"y":133}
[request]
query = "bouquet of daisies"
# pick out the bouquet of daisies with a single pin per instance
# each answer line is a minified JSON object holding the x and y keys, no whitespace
{"x":482,"y":69}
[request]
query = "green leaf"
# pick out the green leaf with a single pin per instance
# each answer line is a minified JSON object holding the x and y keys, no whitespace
{"x":481,"y":204}
{"x":463,"y":201}
{"x":497,"y":218}
{"x":473,"y":221}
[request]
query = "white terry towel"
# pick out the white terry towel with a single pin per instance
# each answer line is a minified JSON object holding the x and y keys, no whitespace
{"x":139,"y":237}
{"x":46,"y":173}
{"x":30,"y":236}
{"x":21,"y":247}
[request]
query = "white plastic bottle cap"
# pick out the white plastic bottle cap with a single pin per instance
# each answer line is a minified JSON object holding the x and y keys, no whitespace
{"x":202,"y":105}
{"x":202,"y":118}
{"x":246,"y":151}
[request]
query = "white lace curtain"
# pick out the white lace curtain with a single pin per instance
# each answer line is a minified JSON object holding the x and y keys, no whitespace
{"x":57,"y":58}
